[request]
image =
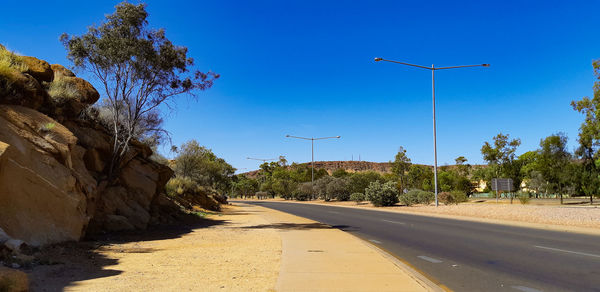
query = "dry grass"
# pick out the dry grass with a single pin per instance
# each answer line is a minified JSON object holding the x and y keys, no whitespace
{"x":61,"y":90}
{"x":10,"y":62}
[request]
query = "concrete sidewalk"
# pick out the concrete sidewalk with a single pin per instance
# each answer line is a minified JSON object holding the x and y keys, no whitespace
{"x":317,"y":257}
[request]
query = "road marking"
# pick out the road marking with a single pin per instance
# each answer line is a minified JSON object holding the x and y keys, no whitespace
{"x":431,"y":260}
{"x":568,"y":251}
{"x":375,"y":241}
{"x":526,"y":289}
{"x":395,"y":222}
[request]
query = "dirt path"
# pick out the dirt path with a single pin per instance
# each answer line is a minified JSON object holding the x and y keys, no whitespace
{"x":221,"y":255}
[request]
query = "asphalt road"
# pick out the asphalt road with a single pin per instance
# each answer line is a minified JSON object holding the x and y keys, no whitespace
{"x":470,"y":256}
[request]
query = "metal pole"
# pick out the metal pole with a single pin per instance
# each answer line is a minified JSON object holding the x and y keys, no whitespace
{"x":312,"y":169}
{"x":434,"y":136}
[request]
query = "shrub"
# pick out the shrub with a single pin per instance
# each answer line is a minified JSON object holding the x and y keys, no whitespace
{"x":524,"y":198}
{"x":425,"y":197}
{"x":410,"y":198}
{"x":416,"y":196}
{"x":382,"y":194}
{"x":446,"y":198}
{"x":357,"y":197}
{"x":455,"y":197}
{"x":300,"y":196}
{"x":459,"y":197}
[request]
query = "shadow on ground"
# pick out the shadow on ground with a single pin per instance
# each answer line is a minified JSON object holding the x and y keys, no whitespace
{"x":301,"y":226}
{"x":59,"y":266}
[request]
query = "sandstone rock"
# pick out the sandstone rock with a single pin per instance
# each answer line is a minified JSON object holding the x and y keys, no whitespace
{"x":140,"y":180}
{"x":21,"y":89}
{"x":94,"y":161}
{"x":13,"y":280}
{"x":69,"y":96}
{"x":42,"y":199}
{"x":117,"y":223}
{"x":39,"y":69}
{"x":117,"y":201}
{"x":61,"y":71}
{"x":91,"y":138}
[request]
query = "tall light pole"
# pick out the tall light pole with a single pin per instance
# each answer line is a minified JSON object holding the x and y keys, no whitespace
{"x":433,"y":69}
{"x":312,"y":151}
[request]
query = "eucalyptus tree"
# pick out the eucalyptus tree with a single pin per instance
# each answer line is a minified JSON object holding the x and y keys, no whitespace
{"x":139,"y":70}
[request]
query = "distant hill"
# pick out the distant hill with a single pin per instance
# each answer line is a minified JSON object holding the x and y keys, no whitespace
{"x":357,"y":166}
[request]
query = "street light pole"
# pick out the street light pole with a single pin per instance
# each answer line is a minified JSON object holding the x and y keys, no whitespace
{"x":312,"y":155}
{"x":433,"y":68}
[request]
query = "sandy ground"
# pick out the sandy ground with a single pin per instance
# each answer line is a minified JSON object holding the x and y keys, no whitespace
{"x":218,"y":254}
{"x":587,"y":217}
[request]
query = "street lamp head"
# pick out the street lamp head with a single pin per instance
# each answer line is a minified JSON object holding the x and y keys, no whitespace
{"x":485,"y":65}
{"x":378,"y":59}
{"x":338,"y":137}
{"x":287,"y":136}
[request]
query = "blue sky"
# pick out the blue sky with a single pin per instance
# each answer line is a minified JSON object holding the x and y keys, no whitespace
{"x":306,"y":68}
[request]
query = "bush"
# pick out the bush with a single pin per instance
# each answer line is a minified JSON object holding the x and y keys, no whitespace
{"x":425,"y":197}
{"x":409,"y":198}
{"x":300,"y":196}
{"x":455,"y":197}
{"x":524,"y":198}
{"x":382,"y":194}
{"x":416,"y":196}
{"x":459,"y":197}
{"x":357,"y":197}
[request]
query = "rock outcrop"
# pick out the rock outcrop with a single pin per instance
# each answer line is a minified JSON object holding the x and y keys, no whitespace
{"x":53,"y":165}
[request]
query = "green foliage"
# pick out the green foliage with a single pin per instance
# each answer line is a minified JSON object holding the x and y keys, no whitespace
{"x":382,"y":194}
{"x":340,"y":172}
{"x":359,"y":181}
{"x":245,"y":186}
{"x":338,"y":188}
{"x":425,"y":197}
{"x":524,"y":198}
{"x":455,"y":197}
{"x":357,"y":197}
{"x":202,"y":166}
{"x":420,"y":177}
{"x":501,"y":158}
{"x":409,"y":198}
{"x":400,"y":166}
{"x":416,"y":196}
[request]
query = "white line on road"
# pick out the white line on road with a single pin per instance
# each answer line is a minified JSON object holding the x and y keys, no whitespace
{"x":431,"y":260}
{"x":395,"y":222}
{"x":375,"y":241}
{"x":526,"y":289}
{"x":568,"y":251}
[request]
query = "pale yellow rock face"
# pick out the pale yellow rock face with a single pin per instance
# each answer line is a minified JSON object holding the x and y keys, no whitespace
{"x":43,"y":181}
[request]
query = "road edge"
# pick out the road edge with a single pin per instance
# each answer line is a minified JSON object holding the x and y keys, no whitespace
{"x":417,"y":275}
